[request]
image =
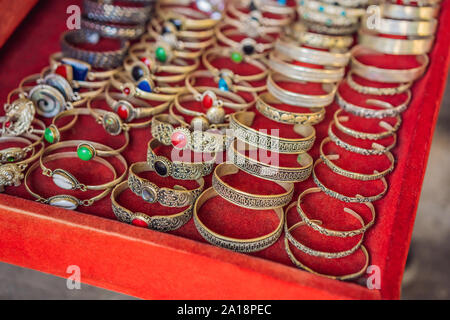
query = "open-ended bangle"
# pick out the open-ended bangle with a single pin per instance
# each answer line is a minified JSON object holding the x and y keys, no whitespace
{"x":160,"y":223}
{"x":177,"y":169}
{"x":390,"y":91}
{"x":299,"y":99}
{"x":235,"y":244}
{"x":178,"y":196}
{"x":388,"y":109}
{"x":328,"y":160}
{"x":331,"y":232}
{"x":245,"y":199}
{"x":97,"y":59}
{"x":241,"y":122}
{"x":269,"y":171}
{"x":264,"y":106}
{"x":357,"y":199}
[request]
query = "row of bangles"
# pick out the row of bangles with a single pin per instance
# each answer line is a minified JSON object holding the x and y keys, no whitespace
{"x":167,"y":77}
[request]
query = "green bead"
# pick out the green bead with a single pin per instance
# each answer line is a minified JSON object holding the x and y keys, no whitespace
{"x":85,"y":153}
{"x":10,"y":159}
{"x":236,"y":57}
{"x":49,"y":136}
{"x":161,"y":54}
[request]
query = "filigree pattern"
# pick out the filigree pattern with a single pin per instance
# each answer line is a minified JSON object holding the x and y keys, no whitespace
{"x":290,"y":117}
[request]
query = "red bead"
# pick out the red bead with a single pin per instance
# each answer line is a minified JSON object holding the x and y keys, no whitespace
{"x":139,"y":223}
{"x":146,"y":61}
{"x":122,"y":111}
{"x":7,"y":124}
{"x":62,"y":71}
{"x":127,"y":91}
{"x":207,"y":101}
{"x":179,"y":140}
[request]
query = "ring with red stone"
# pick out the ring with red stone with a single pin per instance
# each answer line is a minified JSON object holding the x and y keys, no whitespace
{"x":160,"y":223}
{"x":178,"y":196}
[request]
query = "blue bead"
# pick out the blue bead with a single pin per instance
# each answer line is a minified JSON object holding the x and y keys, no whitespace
{"x":223,"y":85}
{"x":144,"y":85}
{"x":282,"y":2}
{"x":321,"y":9}
{"x":80,"y":69}
{"x":343,"y":13}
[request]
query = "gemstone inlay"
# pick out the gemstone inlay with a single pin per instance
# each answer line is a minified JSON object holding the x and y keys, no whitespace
{"x":161,"y":168}
{"x":49,"y":135}
{"x":63,"y":202}
{"x":139,"y":223}
{"x":223,"y":85}
{"x":179,"y":139}
{"x":161,"y":54}
{"x":207,"y":101}
{"x":122,"y":112}
{"x":144,"y":85}
{"x":236,"y":57}
{"x":80,"y":69}
{"x":137,"y":73}
{"x":85,"y":152}
{"x":63,"y":181}
{"x":148,"y":195}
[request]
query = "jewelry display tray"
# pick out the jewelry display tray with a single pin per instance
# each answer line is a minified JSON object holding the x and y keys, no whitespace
{"x":180,"y":264}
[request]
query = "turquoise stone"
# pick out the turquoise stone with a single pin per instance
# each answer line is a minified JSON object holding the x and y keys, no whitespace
{"x":223,"y":85}
{"x":144,"y":85}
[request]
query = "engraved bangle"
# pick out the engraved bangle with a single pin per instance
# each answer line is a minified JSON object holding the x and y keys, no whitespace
{"x":239,"y":245}
{"x":332,"y":9}
{"x":129,"y":108}
{"x":388,"y":109}
{"x":403,"y":12}
{"x":250,"y":25}
{"x":187,"y":18}
{"x":328,"y":160}
{"x":160,"y":223}
{"x":177,"y":169}
{"x":240,"y":123}
{"x":422,"y":28}
{"x":326,"y":19}
{"x":97,"y":59}
{"x":63,"y":201}
{"x":357,"y":199}
{"x":316,"y":253}
{"x":218,"y":52}
{"x":108,"y":12}
{"x":331,"y":232}
{"x":330,"y":29}
{"x":299,"y":99}
{"x":67,"y":181}
{"x":113,"y":31}
{"x":264,"y":106}
{"x":182,"y":138}
{"x":374,"y":90}
{"x":386,"y":75}
{"x":284,"y":65}
{"x":245,"y":199}
{"x":159,"y":27}
{"x":377,"y":149}
{"x":318,"y":57}
{"x":300,"y":32}
{"x":419,"y":3}
{"x":178,"y":196}
{"x":268,"y":171}
{"x":389,"y":129}
{"x":413,"y":45}
{"x":349,"y":3}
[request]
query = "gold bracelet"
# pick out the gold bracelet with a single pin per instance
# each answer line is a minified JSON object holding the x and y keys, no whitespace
{"x":264,"y":106}
{"x":328,"y":160}
{"x":182,"y":138}
{"x":65,"y":180}
{"x":178,"y":196}
{"x":331,"y":232}
{"x":332,"y":9}
{"x":422,"y":28}
{"x":239,"y":245}
{"x":331,"y":21}
{"x":15,"y":154}
{"x":245,"y":199}
{"x":240,"y":123}
{"x":377,"y":149}
{"x":186,"y":18}
{"x":299,"y":99}
{"x":316,"y":253}
{"x":358,"y":198}
{"x":177,"y":169}
{"x":403,"y":12}
{"x":158,"y":26}
{"x":269,"y":171}
{"x":390,"y":91}
{"x":160,"y":223}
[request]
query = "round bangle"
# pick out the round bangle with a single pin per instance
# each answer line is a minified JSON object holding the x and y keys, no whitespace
{"x":328,"y":160}
{"x":240,"y":123}
{"x":384,"y":74}
{"x":357,"y":199}
{"x":332,"y":9}
{"x":108,"y":12}
{"x":113,"y":31}
{"x":331,"y":30}
{"x":263,"y":105}
{"x":13,"y":154}
{"x":178,"y":196}
{"x":65,"y":180}
{"x":326,"y":19}
{"x":403,"y":12}
{"x":218,"y":52}
{"x":62,"y":201}
{"x":284,"y":65}
{"x":182,"y":138}
{"x":331,"y":232}
{"x":129,"y":108}
{"x":245,"y":199}
{"x":316,"y":253}
{"x":268,"y":171}
{"x":186,"y":18}
{"x":390,"y":130}
{"x":388,"y":109}
{"x":159,"y":27}
{"x":97,"y":59}
{"x":349,"y":3}
{"x":177,"y":169}
{"x":377,"y":149}
{"x":299,"y":99}
{"x":422,"y":28}
{"x":374,"y":90}
{"x":239,"y":245}
{"x":160,"y":223}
